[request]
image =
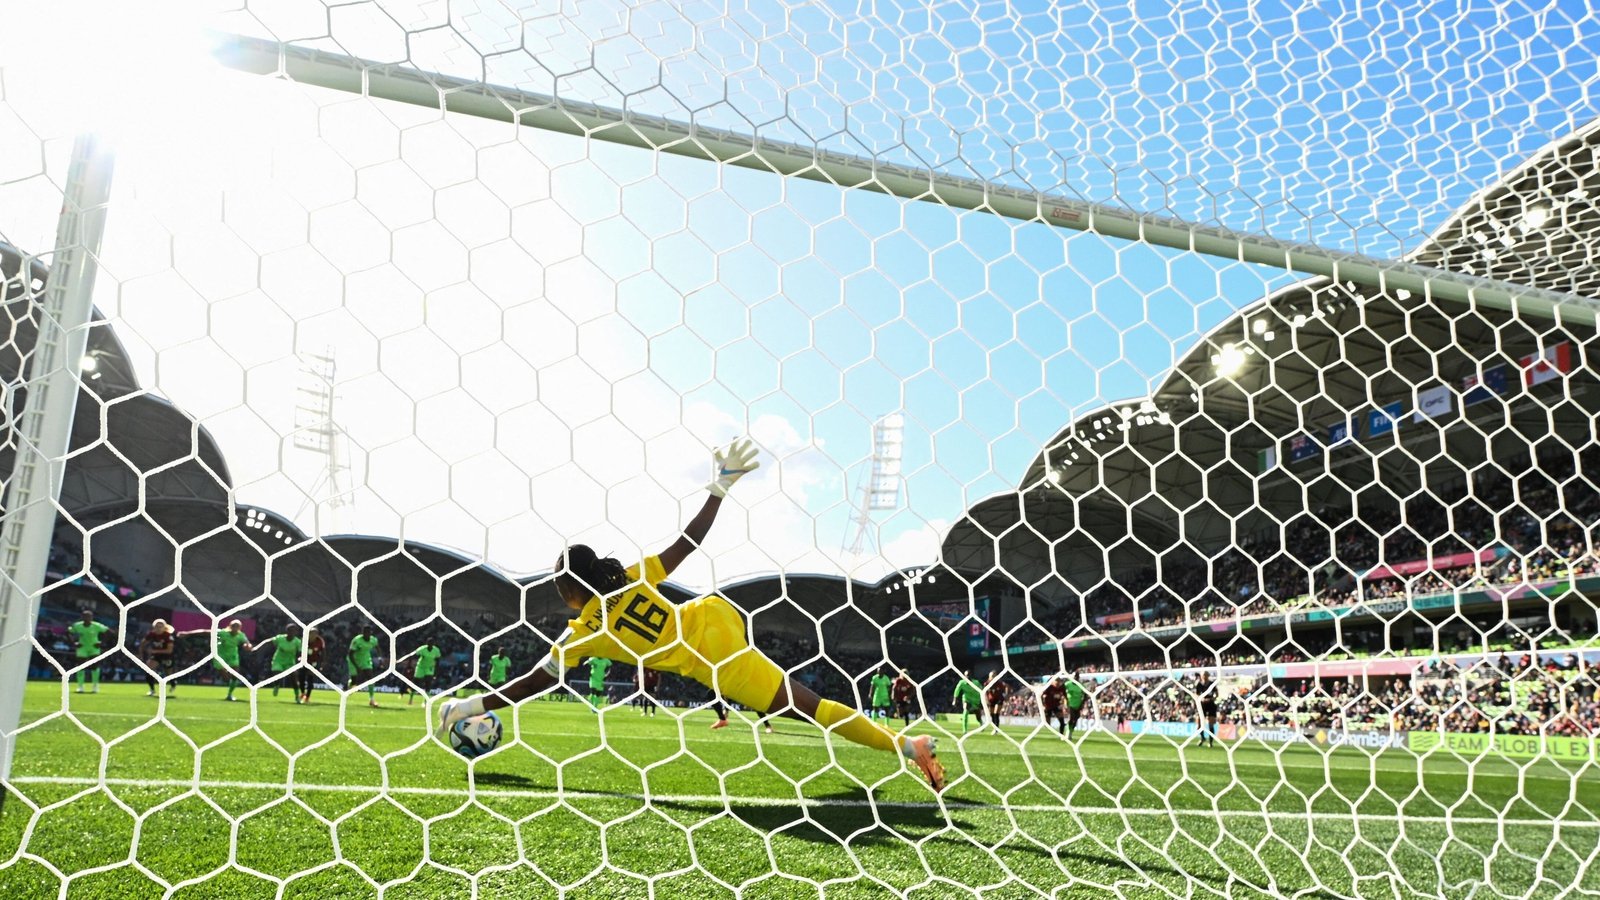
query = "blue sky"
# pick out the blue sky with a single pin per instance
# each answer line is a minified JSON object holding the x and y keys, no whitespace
{"x":538,"y":331}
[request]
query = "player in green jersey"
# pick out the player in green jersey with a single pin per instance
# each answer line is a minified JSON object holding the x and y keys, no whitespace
{"x":969,"y":698}
{"x":359,"y":665}
{"x":881,"y":683}
{"x":1076,"y":698}
{"x":598,"y":665}
{"x":285,"y":659}
{"x":426,"y":672}
{"x":86,"y":631}
{"x":499,"y":668}
{"x":225,"y":653}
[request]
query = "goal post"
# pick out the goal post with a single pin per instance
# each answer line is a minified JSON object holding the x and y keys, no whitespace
{"x":41,"y":433}
{"x":388,"y":81}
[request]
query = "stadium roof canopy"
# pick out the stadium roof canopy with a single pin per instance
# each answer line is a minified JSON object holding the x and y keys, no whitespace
{"x":126,"y":443}
{"x":1129,"y":482}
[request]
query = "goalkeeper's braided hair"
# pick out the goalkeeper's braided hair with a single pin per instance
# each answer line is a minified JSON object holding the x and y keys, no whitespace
{"x":599,"y":575}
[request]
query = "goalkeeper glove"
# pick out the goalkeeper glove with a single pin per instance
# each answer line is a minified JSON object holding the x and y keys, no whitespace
{"x":731,"y":465}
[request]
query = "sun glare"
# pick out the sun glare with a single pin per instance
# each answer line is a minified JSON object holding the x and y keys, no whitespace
{"x":134,"y":73}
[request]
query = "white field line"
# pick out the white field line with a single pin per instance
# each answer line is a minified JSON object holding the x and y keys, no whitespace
{"x":731,"y":802}
{"x":1245,"y":756}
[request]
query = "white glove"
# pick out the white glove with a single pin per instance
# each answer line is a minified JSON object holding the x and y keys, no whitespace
{"x":731,"y":465}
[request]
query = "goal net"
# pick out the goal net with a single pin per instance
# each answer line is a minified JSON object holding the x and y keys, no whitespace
{"x":1189,"y":407}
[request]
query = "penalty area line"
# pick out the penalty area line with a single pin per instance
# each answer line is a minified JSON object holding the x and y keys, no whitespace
{"x":731,"y":801}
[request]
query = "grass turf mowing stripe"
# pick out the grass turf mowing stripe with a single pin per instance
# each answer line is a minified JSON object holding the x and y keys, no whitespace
{"x":783,"y":802}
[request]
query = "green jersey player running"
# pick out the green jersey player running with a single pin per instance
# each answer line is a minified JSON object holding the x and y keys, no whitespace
{"x":969,"y":698}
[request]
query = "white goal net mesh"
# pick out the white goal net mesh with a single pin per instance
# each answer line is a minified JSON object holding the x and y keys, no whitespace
{"x":1021,"y":307}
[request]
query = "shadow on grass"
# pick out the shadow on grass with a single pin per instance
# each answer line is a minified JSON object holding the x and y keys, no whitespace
{"x":509,"y":780}
{"x":848,"y":817}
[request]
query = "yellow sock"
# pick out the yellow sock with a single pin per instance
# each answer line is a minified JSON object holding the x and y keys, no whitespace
{"x":853,"y":726}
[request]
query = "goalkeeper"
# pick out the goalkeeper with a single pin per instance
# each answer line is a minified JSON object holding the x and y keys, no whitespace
{"x":622,"y":616}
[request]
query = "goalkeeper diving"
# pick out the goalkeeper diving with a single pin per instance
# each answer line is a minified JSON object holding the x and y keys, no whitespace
{"x":622,"y":616}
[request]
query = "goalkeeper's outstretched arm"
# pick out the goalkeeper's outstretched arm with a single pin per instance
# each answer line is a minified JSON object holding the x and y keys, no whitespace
{"x":731,"y":465}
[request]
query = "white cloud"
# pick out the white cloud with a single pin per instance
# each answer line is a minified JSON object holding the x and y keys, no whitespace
{"x":916,"y":546}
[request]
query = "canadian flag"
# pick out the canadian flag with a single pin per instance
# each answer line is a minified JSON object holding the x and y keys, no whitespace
{"x":1537,"y":368}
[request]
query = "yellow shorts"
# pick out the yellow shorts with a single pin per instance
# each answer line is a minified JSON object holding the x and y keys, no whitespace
{"x":715,"y":653}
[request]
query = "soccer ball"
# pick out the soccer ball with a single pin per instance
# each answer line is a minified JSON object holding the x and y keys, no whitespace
{"x":474,"y":736}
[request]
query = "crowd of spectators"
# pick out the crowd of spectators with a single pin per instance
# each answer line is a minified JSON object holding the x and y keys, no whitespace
{"x":1508,"y":696}
{"x":1542,"y":527}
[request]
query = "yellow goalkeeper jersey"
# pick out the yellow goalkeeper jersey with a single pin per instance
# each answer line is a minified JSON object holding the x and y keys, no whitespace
{"x":703,"y":639}
{"x":635,"y":624}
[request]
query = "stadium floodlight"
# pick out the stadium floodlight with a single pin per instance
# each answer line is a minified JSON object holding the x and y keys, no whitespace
{"x":881,"y":490}
{"x":1230,"y":360}
{"x":1535,"y":217}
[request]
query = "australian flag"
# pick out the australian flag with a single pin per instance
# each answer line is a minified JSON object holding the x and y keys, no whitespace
{"x":1301,"y":446}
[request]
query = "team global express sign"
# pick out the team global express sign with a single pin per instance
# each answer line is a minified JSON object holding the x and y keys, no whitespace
{"x":1511,"y":746}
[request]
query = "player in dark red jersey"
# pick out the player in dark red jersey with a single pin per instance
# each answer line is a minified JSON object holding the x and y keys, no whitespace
{"x":648,"y":680}
{"x":305,"y":675}
{"x":994,"y":698}
{"x":1207,"y":691}
{"x":1053,"y":700}
{"x":905,"y":691}
{"x":155,"y":648}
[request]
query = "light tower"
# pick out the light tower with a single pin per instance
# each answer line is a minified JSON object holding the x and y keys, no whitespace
{"x":318,"y":432}
{"x":881,"y":489}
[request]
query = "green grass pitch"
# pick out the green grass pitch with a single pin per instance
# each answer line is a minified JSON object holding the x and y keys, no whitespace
{"x":115,"y":802}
